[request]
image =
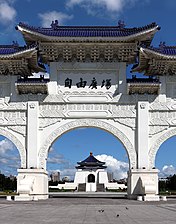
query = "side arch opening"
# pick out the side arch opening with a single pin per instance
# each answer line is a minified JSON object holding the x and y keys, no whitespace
{"x":166,"y":164}
{"x":10,"y":161}
{"x":155,"y":147}
{"x":17,"y":143}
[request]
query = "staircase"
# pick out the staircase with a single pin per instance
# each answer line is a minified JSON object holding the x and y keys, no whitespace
{"x":82,"y":187}
{"x":100,"y":188}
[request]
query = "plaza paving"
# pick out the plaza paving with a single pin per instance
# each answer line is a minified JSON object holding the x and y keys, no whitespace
{"x":87,"y":211}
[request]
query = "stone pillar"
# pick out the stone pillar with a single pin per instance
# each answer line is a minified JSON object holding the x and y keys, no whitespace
{"x":32,"y":134}
{"x":143,"y":181}
{"x":32,"y":184}
{"x":122,"y":78}
{"x":142,"y":134}
{"x":52,"y":85}
{"x":162,"y":94}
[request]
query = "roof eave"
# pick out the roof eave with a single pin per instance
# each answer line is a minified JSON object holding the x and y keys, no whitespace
{"x":145,"y":55}
{"x":146,"y":52}
{"x":18,"y":54}
{"x":138,"y":36}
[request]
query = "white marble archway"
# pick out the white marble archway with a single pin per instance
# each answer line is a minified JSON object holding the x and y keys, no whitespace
{"x":43,"y":153}
{"x":17,"y":143}
{"x":155,"y":147}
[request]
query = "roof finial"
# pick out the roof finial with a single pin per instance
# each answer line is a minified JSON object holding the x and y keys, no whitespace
{"x":121,"y":24}
{"x":91,"y":153}
{"x":55,"y":24}
{"x":162,"y":44}
{"x":15,"y":43}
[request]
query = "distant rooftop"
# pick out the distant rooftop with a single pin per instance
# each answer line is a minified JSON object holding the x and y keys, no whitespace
{"x":91,"y":163}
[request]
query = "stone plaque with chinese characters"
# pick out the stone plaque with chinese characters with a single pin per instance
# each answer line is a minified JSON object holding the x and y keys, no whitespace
{"x":88,"y":81}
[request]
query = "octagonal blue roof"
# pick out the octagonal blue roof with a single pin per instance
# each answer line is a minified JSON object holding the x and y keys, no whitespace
{"x":91,"y":163}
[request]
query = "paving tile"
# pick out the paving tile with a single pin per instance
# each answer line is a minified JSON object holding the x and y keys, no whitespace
{"x":87,"y":211}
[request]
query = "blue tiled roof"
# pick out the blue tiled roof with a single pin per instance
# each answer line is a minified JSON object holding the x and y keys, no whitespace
{"x":8,"y":49}
{"x":143,"y":80}
{"x":166,"y":50}
{"x":91,"y":160}
{"x":88,"y":31}
{"x":33,"y":80}
{"x":11,"y":49}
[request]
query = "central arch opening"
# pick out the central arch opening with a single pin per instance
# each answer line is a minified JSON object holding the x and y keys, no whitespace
{"x":91,"y":178}
{"x":76,"y":145}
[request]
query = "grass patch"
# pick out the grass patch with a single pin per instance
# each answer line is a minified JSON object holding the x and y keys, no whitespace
{"x":116,"y":190}
{"x":10,"y":193}
{"x":60,"y":190}
{"x":167,"y":192}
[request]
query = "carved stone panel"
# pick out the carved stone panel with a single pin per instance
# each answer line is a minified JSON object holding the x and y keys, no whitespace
{"x":87,"y":110}
{"x":46,"y":122}
{"x":129,"y":122}
{"x":87,"y":97}
{"x":54,"y":98}
{"x":159,"y":106}
{"x":51,"y":110}
{"x":163,"y":118}
{"x":18,"y":129}
{"x":124,"y":111}
{"x":153,"y":130}
{"x":13,"y":106}
{"x":171,"y":79}
{"x":12,"y":118}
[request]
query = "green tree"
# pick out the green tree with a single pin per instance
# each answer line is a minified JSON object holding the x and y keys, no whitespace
{"x":7,"y":184}
{"x":163,"y":185}
{"x":172,"y":182}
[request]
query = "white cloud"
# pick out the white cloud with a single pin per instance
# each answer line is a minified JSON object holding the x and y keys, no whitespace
{"x":7,"y":11}
{"x":57,"y":159}
{"x":70,"y":173}
{"x":167,"y":170}
{"x":4,"y":161}
{"x":48,"y":17}
{"x":118,"y":168}
{"x":115,"y":6}
{"x":5,"y":145}
{"x":9,"y":157}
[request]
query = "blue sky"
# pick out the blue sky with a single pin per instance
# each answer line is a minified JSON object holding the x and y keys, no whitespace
{"x":76,"y":145}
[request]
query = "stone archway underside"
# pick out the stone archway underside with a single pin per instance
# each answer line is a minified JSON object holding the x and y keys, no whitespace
{"x":17,"y":143}
{"x":43,"y":153}
{"x":158,"y":143}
